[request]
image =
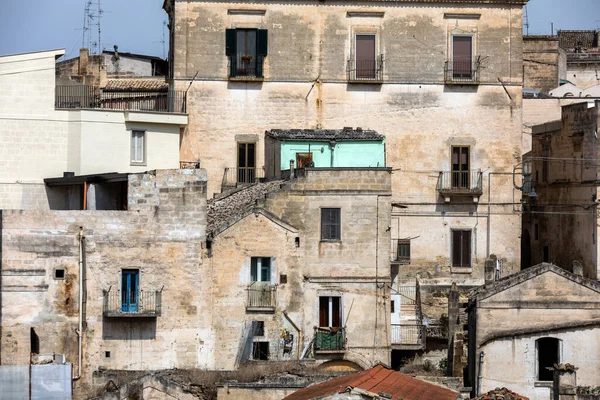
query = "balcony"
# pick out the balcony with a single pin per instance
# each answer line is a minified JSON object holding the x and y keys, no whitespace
{"x":234,"y":177}
{"x":75,"y":97}
{"x":261,"y":297}
{"x":246,"y":68}
{"x":145,"y":304}
{"x":365,"y":71}
{"x":408,"y":336}
{"x":465,"y":183}
{"x":461,"y":72}
{"x":329,"y":340}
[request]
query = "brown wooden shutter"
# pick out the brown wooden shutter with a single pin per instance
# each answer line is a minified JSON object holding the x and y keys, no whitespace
{"x":456,"y":251}
{"x":365,"y":56}
{"x":466,"y":249}
{"x":323,"y":311}
{"x":336,"y":312}
{"x":462,"y":53}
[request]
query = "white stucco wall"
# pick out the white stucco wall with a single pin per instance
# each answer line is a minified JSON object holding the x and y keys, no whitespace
{"x":37,"y":141}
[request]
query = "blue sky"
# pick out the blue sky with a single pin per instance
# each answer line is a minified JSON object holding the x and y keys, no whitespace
{"x":137,"y":25}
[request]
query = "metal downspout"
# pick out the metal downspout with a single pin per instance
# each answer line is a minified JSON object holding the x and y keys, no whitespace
{"x":80,"y":327}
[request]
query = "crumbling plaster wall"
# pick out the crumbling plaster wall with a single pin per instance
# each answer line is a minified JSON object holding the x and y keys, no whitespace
{"x":161,"y":235}
{"x":511,"y":360}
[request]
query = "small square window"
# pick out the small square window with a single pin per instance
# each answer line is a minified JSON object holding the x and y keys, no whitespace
{"x":107,"y":354}
{"x":260,"y":350}
{"x":331,"y":224}
{"x":403,"y":251}
{"x":283,"y":279}
{"x":258,"y":327}
{"x":59,"y":273}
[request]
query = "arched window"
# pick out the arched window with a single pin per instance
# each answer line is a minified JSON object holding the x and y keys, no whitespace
{"x":568,"y":94}
{"x":548,"y":354}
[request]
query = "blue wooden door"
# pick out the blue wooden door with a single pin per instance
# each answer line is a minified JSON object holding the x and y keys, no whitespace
{"x":130,"y":279}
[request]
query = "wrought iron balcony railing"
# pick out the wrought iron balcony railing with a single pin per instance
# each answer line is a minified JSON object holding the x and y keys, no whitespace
{"x":330,"y":340}
{"x":409,"y":334}
{"x":246,"y":66}
{"x":461,"y":72}
{"x":233,"y":176}
{"x":262,"y":296}
{"x":132,"y":304}
{"x":365,"y":71}
{"x":460,"y":182}
{"x":92,"y":97}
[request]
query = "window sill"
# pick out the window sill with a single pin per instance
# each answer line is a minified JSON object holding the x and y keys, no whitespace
{"x":547,"y":384}
{"x":246,"y":79}
{"x":137,"y":164}
{"x":331,"y":241}
{"x":457,"y":270}
{"x":373,"y":81}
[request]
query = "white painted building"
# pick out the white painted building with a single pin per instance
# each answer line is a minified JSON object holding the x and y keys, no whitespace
{"x":38,"y":141}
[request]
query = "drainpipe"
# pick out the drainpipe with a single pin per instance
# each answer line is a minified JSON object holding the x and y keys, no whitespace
{"x":479,"y":378}
{"x":80,"y":327}
{"x":332,"y":145}
{"x":300,"y":337}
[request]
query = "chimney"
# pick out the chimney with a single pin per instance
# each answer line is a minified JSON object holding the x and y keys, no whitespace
{"x":83,"y":61}
{"x":564,"y":382}
{"x":578,"y":268}
{"x":103,"y":77}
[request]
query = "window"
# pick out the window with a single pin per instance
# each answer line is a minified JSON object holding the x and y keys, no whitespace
{"x":462,"y":57}
{"x":258,"y":328}
{"x":260,"y":350}
{"x":460,"y":167}
{"x":246,"y":49}
{"x":546,"y":254}
{"x":59,"y":273}
{"x":304,"y":160}
{"x":130,"y":282}
{"x":260,"y":269}
{"x":545,"y":163}
{"x":330,"y":312}
{"x":403,"y":251}
{"x":536,"y":231}
{"x":365,"y":58}
{"x":461,"y":249}
{"x":392,"y":306}
{"x":330,"y":224}
{"x":107,"y":354}
{"x":246,"y":163}
{"x":138,"y":147}
{"x":548,"y":354}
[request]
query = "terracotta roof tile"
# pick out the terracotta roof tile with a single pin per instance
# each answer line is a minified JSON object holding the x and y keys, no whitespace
{"x":378,"y":380}
{"x":569,"y":40}
{"x":325,"y":134}
{"x":137,"y":84}
{"x":501,"y":394}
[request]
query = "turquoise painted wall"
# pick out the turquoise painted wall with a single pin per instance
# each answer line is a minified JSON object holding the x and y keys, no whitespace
{"x":346,"y":153}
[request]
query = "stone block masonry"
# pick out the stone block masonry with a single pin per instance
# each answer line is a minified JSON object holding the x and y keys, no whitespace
{"x":160,"y":238}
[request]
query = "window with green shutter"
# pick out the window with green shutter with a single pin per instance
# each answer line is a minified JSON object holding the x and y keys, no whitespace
{"x":246,"y":49}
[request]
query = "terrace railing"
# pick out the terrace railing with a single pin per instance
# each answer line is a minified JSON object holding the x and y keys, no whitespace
{"x":132,"y":304}
{"x":460,"y":182}
{"x":365,"y":71}
{"x":330,"y":339}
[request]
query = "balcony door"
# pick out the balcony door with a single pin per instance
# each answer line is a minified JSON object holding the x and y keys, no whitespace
{"x":330,"y":312}
{"x":365,"y":57}
{"x":462,"y":56}
{"x":130,"y":283}
{"x":460,"y":167}
{"x":246,"y":168}
{"x":260,"y":269}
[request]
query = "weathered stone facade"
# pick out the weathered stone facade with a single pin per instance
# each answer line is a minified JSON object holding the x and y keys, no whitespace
{"x":414,"y":102}
{"x":160,"y":236}
{"x":544,"y":61}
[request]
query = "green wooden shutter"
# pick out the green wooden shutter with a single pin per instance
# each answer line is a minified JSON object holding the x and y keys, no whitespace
{"x":262,"y":42}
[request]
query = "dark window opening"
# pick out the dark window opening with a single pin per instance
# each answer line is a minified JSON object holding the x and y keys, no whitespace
{"x":107,"y":354}
{"x":462,"y":56}
{"x":297,"y":240}
{"x":392,"y":306}
{"x":59,"y":273}
{"x":330,"y":224}
{"x":403,"y":251}
{"x":246,"y":168}
{"x":34,"y":342}
{"x":260,"y":269}
{"x":260,"y":350}
{"x":536,"y":231}
{"x":283,"y":279}
{"x":330,"y":312}
{"x":304,"y":160}
{"x":546,"y":253}
{"x":460,"y":167}
{"x":461,"y":249}
{"x":246,"y":49}
{"x":548,"y":350}
{"x":258,"y":328}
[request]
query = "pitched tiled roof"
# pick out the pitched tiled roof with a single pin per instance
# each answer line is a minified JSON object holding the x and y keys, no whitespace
{"x":377,"y":380}
{"x":569,"y":40}
{"x":137,"y":85}
{"x":501,"y":394}
{"x":324,"y":134}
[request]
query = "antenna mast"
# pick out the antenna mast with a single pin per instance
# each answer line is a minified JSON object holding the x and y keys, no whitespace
{"x":526,"y":21}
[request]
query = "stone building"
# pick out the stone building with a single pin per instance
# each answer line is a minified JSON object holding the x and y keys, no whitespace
{"x":47,"y":129}
{"x":583,"y":56}
{"x":545,"y":63}
{"x":301,"y":267}
{"x":442,"y":81}
{"x":560,"y":223}
{"x":113,"y":290}
{"x":521,"y":326}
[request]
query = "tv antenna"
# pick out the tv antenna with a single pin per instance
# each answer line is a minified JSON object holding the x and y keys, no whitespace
{"x":91,"y":18}
{"x":526,"y":23}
